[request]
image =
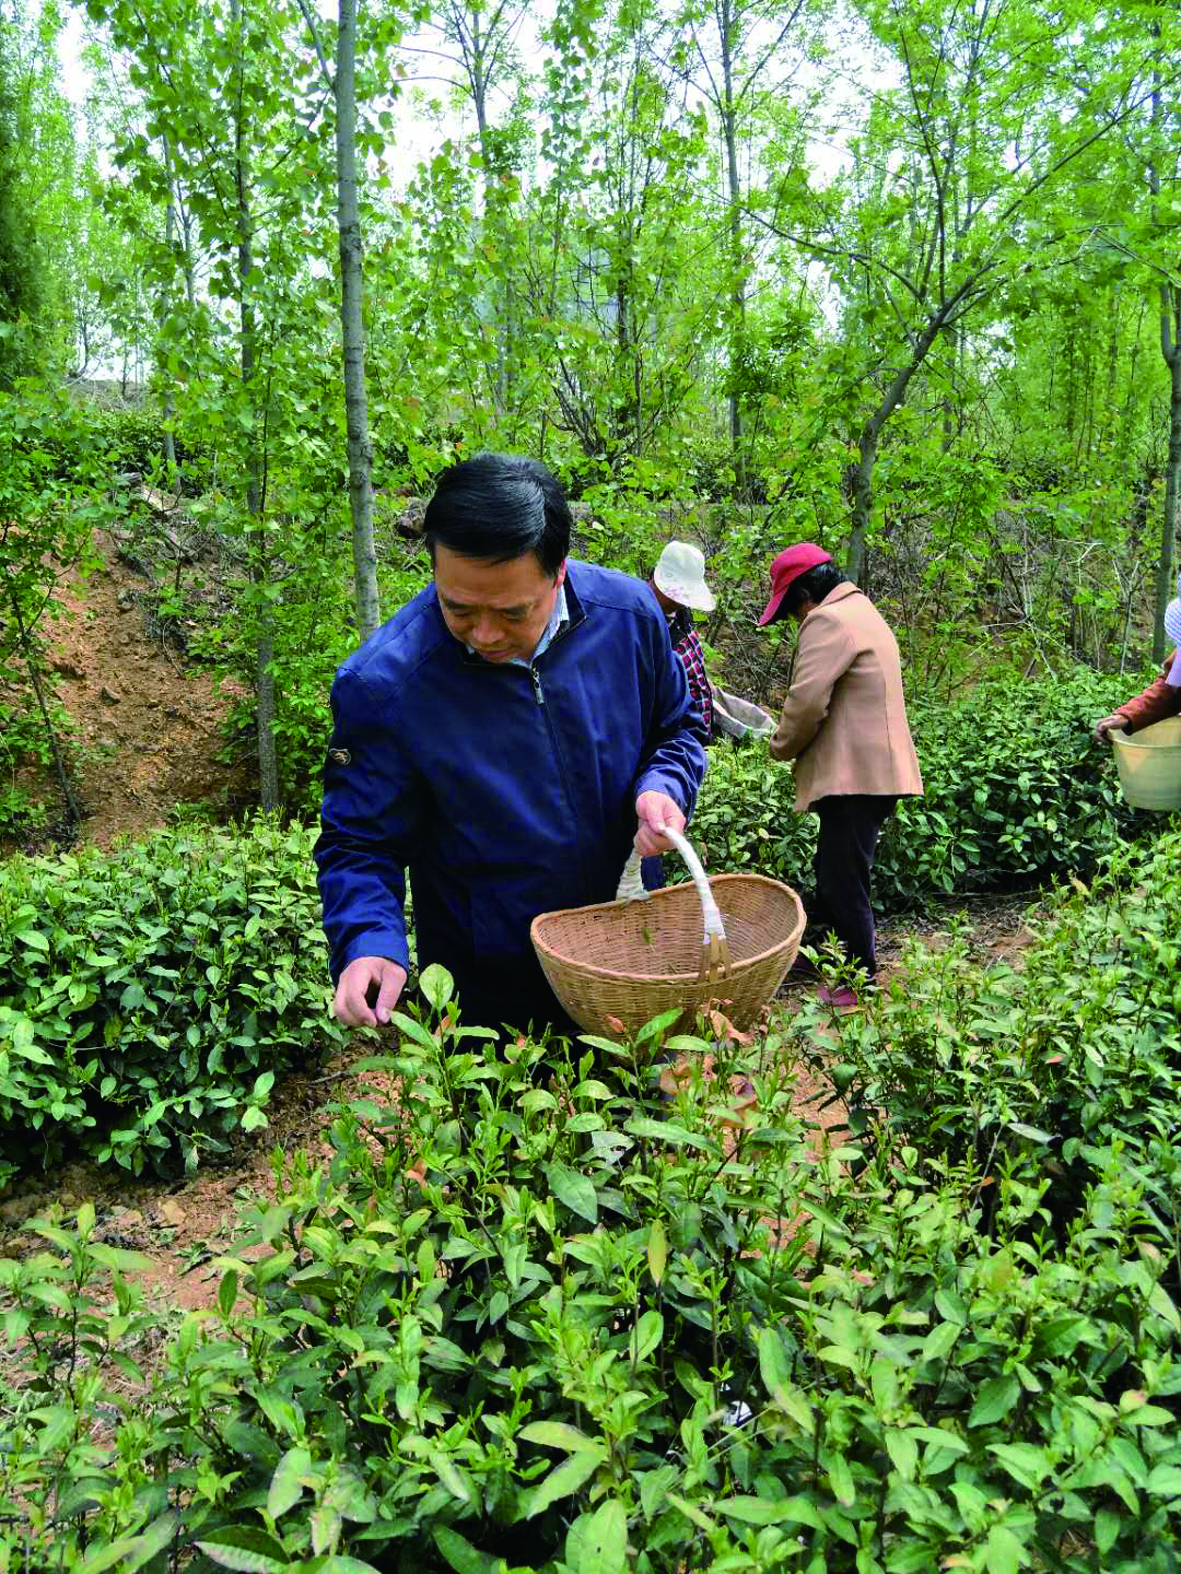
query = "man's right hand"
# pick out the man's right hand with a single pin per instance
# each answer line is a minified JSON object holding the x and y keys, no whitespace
{"x":364,"y":976}
{"x":1113,"y":723}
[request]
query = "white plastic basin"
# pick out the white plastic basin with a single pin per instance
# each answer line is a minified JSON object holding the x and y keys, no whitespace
{"x":1149,"y":764}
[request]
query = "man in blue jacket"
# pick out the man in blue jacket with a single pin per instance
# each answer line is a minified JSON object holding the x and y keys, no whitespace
{"x":504,"y":738}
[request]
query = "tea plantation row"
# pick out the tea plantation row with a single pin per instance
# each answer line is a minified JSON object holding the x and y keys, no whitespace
{"x":149,"y":997}
{"x":526,"y":1326}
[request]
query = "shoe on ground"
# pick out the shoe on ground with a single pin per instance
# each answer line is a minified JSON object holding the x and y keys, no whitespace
{"x":801,"y":971}
{"x":842,"y":999}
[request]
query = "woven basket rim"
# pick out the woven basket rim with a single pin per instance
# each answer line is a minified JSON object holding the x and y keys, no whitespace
{"x":590,"y":970}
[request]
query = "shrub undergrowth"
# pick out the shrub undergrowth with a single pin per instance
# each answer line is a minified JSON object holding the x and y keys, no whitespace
{"x":150,"y":995}
{"x":546,"y":1322}
{"x":1017,"y":794}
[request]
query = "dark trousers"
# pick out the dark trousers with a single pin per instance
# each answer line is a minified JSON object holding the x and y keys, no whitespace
{"x":513,"y":992}
{"x":652,"y":872}
{"x":850,"y":825}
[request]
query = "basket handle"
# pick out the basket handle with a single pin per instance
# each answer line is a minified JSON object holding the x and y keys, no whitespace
{"x":716,"y":954}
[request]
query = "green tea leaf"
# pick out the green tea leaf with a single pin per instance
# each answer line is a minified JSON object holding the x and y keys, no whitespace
{"x":1004,"y":1554}
{"x":994,"y":1401}
{"x":667,"y":1132}
{"x":565,"y":1478}
{"x":245,"y":1549}
{"x":437,"y":985}
{"x":286,"y":1488}
{"x":335,"y":1563}
{"x":1024,"y":1462}
{"x":227,"y":1293}
{"x":576,"y":1191}
{"x":1165,"y":1481}
{"x":461,"y":1555}
{"x":657,"y":1250}
{"x":903,"y":1452}
{"x":766,"y":1511}
{"x":557,"y":1434}
{"x":646,"y":1336}
{"x":1033,"y":1133}
{"x":693,"y":1513}
{"x":1107,"y":1529}
{"x":603,"y":1547}
{"x":132,"y":1552}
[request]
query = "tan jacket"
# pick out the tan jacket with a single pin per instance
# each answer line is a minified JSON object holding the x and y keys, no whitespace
{"x":844,"y":719}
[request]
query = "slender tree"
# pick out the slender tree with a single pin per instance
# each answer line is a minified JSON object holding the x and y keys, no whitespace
{"x":343,"y":85}
{"x":742,"y":50}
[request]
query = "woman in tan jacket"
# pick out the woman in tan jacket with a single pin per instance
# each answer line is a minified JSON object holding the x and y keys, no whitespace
{"x":844,"y":724}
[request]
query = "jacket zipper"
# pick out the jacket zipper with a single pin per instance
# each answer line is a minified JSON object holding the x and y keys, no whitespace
{"x":538,"y":695}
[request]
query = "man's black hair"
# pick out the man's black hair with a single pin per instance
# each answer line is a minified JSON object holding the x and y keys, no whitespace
{"x":498,"y":507}
{"x":812,"y":586}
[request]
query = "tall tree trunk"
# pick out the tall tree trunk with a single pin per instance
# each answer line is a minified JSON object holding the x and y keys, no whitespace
{"x":268,"y":762}
{"x":73,"y":813}
{"x":1170,"y":343}
{"x":862,"y":501}
{"x":352,"y":325}
{"x":475,"y":50}
{"x":862,"y":479}
{"x":737,"y":263}
{"x":1171,"y":350}
{"x":170,"y":465}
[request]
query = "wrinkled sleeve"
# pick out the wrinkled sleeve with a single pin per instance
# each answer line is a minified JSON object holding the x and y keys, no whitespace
{"x":371,"y":814}
{"x":673,"y":758}
{"x":821,"y":660}
{"x":1157,"y":702}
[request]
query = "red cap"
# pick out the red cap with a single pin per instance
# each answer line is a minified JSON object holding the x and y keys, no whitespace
{"x":788,"y":566}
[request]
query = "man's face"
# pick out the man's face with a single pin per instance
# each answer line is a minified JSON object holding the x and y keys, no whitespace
{"x":499,"y":609}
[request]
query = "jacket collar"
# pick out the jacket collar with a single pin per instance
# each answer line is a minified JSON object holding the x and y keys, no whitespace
{"x":575,"y":615}
{"x":841,"y":593}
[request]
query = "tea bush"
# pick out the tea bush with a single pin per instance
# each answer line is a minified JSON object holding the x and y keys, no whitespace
{"x":524,"y":1325}
{"x":149,"y":996}
{"x":1017,"y":794}
{"x":1076,"y":1051}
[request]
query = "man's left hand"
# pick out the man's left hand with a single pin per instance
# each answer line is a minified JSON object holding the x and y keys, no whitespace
{"x":656,"y":811}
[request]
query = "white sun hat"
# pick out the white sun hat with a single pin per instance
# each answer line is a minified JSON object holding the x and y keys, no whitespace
{"x":680,"y":575}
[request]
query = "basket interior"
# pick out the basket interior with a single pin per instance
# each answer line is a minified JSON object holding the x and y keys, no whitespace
{"x":663,"y":935}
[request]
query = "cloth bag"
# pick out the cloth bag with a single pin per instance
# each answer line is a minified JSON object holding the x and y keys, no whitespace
{"x":739,"y":718}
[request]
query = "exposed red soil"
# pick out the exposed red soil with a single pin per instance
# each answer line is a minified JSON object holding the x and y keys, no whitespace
{"x":145,"y":722}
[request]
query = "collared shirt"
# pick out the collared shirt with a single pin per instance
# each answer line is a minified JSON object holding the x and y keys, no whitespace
{"x":557,"y":617}
{"x":688,"y":648}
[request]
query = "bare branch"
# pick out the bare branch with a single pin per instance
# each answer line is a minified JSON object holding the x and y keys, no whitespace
{"x":310,"y":19}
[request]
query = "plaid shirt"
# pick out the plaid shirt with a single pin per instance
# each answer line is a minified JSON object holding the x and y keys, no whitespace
{"x":688,"y":648}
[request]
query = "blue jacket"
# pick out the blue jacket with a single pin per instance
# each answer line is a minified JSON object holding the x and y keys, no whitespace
{"x":506,"y":791}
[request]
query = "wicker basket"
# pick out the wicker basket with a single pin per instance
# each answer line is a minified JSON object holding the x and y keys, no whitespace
{"x":630,"y":960}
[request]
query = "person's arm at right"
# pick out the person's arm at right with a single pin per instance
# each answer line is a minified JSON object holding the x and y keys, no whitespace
{"x":370,"y":815}
{"x":1158,"y":701}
